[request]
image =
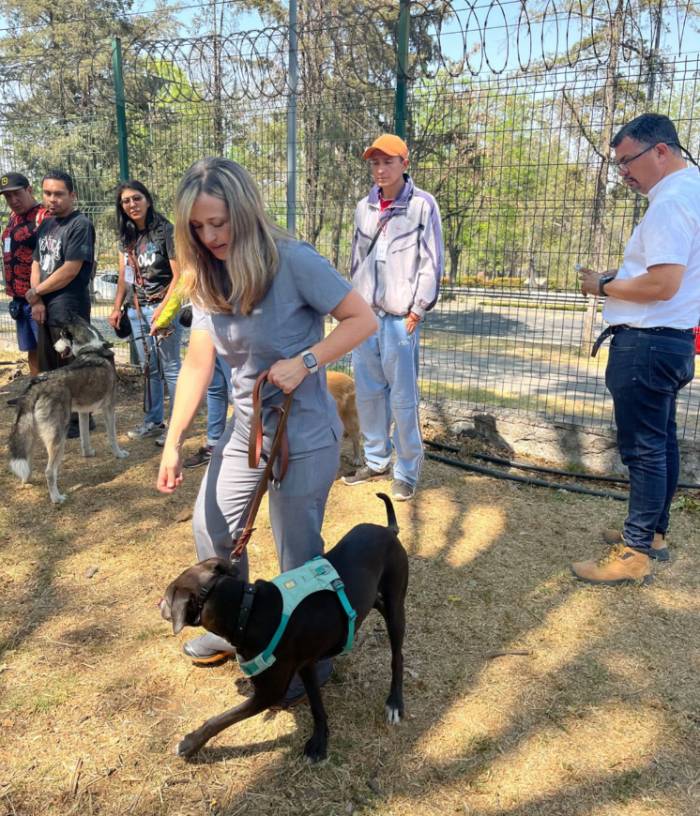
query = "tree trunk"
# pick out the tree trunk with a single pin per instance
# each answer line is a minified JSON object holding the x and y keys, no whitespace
{"x":455,"y":252}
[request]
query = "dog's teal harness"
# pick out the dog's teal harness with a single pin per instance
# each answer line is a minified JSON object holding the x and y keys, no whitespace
{"x":316,"y":575}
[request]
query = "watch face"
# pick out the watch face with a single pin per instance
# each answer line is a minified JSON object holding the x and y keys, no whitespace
{"x":309,"y":360}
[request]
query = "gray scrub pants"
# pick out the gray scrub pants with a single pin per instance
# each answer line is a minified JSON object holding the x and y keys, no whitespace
{"x":297,"y":505}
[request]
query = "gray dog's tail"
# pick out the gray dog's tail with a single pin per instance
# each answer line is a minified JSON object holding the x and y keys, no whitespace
{"x":22,"y":440}
{"x":391,"y":522}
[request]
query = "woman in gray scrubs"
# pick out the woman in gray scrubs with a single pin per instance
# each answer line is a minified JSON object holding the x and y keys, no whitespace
{"x":259,"y":300}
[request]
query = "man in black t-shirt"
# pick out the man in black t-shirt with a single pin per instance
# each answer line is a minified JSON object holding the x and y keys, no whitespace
{"x":62,"y":265}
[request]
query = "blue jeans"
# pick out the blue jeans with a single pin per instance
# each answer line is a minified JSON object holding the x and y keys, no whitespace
{"x":386,"y":390}
{"x":645,"y":372}
{"x":217,"y":400}
{"x":26,"y":326}
{"x":168,"y":352}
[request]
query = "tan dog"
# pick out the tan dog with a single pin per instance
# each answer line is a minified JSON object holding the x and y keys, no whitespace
{"x":342,"y":387}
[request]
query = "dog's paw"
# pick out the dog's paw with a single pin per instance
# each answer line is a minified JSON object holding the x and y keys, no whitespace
{"x":121,"y":454}
{"x":59,"y":498}
{"x":188,"y":746}
{"x":316,"y":750}
{"x":393,"y":714}
{"x":89,"y":453}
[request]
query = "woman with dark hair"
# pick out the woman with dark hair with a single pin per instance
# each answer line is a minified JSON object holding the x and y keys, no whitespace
{"x":148,"y":274}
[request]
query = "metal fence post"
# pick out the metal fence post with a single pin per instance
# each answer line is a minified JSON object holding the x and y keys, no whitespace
{"x":120,"y":107}
{"x":402,"y":70}
{"x":292,"y":120}
{"x":122,"y":142}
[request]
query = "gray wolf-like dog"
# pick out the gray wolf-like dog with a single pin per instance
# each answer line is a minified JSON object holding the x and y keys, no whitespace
{"x":373,"y":566}
{"x":87,"y":383}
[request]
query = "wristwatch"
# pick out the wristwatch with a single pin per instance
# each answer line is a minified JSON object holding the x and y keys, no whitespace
{"x":310,"y":361}
{"x":602,"y":281}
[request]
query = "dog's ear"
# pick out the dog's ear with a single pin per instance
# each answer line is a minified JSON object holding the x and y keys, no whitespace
{"x":181,"y":610}
{"x":232,"y":568}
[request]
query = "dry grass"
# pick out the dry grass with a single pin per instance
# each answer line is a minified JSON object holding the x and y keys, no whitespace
{"x":597,"y":714}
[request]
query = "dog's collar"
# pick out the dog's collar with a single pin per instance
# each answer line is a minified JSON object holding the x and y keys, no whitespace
{"x":207,"y":588}
{"x":103,"y":350}
{"x":243,"y":612}
{"x":204,"y":591}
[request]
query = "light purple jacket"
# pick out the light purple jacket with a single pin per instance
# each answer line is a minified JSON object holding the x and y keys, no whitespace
{"x":409,"y":278}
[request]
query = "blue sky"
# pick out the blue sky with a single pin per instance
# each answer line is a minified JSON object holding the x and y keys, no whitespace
{"x":466,"y":30}
{"x":499,"y":21}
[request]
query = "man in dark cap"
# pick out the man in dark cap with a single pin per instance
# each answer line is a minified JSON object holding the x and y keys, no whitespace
{"x":18,"y":242}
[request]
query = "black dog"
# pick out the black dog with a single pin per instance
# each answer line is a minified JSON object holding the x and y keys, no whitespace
{"x":374,"y":568}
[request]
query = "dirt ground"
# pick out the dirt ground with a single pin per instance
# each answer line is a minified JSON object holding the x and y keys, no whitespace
{"x":526,"y":694}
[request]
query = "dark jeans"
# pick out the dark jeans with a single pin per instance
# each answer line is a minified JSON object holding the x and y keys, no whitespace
{"x":57,"y":313}
{"x":646,"y":370}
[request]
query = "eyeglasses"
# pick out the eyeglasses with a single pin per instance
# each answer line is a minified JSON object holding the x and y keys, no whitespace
{"x":623,"y":164}
{"x":135,"y":198}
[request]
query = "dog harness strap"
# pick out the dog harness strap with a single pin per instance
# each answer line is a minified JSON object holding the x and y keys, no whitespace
{"x":246,"y":606}
{"x":339,"y":588}
{"x":317,"y":575}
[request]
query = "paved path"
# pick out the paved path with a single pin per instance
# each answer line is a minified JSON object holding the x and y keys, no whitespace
{"x":484,"y":351}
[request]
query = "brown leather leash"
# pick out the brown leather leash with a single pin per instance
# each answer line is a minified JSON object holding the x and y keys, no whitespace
{"x":279,"y":449}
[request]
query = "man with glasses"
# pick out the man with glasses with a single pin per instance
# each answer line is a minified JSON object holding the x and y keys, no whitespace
{"x":652,"y":305}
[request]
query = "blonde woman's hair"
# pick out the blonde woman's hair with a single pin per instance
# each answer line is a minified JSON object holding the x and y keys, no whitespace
{"x":242,"y":280}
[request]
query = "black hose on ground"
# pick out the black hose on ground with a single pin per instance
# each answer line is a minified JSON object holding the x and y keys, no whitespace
{"x":499,"y":474}
{"x":497,"y":460}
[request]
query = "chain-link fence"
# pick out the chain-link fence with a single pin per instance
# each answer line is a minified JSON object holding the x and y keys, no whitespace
{"x":510,"y":111}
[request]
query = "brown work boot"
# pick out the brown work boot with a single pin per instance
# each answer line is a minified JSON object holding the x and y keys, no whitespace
{"x":659,"y":547}
{"x":622,"y":565}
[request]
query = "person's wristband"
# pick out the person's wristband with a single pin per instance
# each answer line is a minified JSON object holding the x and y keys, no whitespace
{"x":603,"y":280}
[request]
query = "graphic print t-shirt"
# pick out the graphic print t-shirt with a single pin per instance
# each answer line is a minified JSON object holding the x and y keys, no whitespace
{"x":154,"y":249}
{"x":67,"y":239}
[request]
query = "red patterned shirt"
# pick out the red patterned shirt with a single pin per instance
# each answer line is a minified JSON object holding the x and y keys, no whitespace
{"x":18,"y":242}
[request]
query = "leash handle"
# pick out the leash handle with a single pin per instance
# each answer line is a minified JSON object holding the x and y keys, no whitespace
{"x":279,"y":449}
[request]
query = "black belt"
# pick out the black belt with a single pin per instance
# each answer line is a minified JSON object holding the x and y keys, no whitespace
{"x":663,"y":330}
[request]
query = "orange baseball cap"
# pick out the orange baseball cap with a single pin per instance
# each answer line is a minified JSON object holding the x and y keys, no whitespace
{"x":389,"y":144}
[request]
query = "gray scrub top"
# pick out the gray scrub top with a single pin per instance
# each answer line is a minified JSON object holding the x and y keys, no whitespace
{"x":287,"y":321}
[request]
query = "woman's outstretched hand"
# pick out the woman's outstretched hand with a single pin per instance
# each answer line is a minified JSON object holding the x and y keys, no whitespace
{"x":170,"y":471}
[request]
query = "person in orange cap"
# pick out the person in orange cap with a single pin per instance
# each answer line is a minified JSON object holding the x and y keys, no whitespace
{"x":397,"y":264}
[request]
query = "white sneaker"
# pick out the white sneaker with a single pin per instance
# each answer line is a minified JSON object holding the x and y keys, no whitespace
{"x":146,"y":429}
{"x":161,"y":439}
